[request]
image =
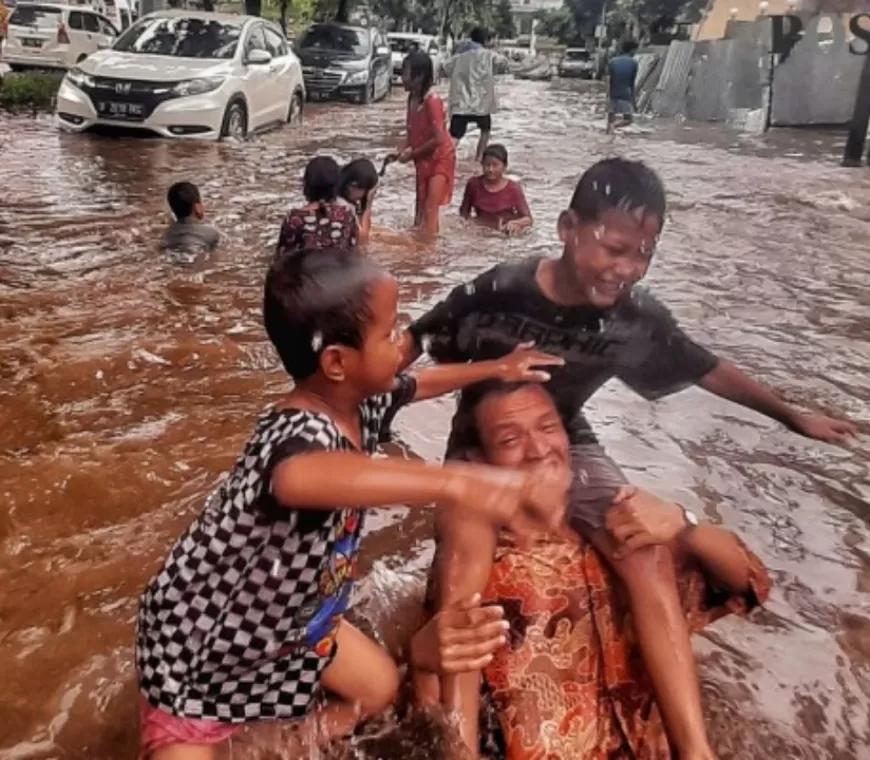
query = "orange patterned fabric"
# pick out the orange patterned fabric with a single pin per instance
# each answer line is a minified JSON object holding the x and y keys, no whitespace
{"x":571,"y":684}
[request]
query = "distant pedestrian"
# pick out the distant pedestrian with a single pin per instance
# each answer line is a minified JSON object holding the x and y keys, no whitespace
{"x":472,"y":87}
{"x":621,"y":77}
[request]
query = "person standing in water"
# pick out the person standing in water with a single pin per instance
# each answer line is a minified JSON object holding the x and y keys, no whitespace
{"x":621,"y":78}
{"x":586,"y":307}
{"x":493,"y":199}
{"x":472,"y":88}
{"x":428,"y":144}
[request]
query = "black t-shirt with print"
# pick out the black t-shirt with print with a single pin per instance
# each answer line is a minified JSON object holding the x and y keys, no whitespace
{"x":637,"y":340}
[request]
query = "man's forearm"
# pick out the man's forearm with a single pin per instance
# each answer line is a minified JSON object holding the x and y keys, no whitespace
{"x":730,"y":382}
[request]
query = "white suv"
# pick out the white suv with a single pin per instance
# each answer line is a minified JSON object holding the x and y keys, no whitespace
{"x":183,"y":73}
{"x":48,"y":35}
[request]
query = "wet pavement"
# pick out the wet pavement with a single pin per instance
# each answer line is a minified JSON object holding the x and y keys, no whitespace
{"x":130,"y":382}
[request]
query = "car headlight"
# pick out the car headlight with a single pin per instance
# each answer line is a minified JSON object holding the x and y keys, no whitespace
{"x":197,"y":86}
{"x":358,"y":77}
{"x":77,"y":77}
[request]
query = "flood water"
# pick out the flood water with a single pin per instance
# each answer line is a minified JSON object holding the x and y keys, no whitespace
{"x":130,"y":383}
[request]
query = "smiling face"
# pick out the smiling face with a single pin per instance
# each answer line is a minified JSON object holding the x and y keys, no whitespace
{"x":521,"y":428}
{"x":608,"y":255}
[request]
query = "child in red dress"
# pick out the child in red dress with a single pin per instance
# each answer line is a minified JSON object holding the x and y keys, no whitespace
{"x":429,"y":145}
{"x":493,"y":199}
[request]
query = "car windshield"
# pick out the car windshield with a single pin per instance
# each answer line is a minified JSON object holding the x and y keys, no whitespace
{"x":181,"y":38}
{"x":340,"y":38}
{"x":577,"y":55}
{"x":404,"y":45}
{"x":36,"y":16}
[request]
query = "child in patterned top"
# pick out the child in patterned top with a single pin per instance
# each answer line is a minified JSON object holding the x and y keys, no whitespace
{"x":358,"y":184}
{"x":323,"y":222}
{"x":245,"y":620}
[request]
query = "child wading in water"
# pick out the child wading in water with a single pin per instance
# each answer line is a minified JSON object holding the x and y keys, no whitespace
{"x":358,"y":185}
{"x":245,"y":620}
{"x":585,"y":307}
{"x":322,"y":222}
{"x":495,"y":200}
{"x":429,"y":145}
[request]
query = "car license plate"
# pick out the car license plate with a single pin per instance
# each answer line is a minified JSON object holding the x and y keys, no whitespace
{"x":113,"y":110}
{"x":29,"y":42}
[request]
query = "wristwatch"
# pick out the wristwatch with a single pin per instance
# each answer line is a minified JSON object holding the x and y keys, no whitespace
{"x":690,"y":517}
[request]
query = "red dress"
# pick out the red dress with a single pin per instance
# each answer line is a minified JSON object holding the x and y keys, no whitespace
{"x":425,"y":122}
{"x":494,"y":208}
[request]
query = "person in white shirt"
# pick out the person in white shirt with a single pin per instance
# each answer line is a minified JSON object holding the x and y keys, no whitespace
{"x":472,"y":88}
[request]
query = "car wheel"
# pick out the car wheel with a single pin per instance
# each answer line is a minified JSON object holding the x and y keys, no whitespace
{"x":235,"y":124}
{"x":369,"y":93}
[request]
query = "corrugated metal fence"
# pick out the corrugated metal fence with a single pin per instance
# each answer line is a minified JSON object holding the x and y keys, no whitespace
{"x":727,"y":80}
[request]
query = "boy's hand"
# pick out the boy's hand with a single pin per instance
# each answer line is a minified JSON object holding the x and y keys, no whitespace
{"x":638,"y":519}
{"x":824,"y":428}
{"x":460,"y":639}
{"x":519,"y":365}
{"x":405,"y":155}
{"x":502,"y":496}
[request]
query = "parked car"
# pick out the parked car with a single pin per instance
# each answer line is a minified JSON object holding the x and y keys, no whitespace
{"x":340,"y":60}
{"x":180,"y":73}
{"x":577,"y":62}
{"x":402,"y":43}
{"x":53,"y":36}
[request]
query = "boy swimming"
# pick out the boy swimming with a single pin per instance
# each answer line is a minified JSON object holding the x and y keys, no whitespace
{"x":585,"y":308}
{"x":188,"y":233}
{"x":245,"y":620}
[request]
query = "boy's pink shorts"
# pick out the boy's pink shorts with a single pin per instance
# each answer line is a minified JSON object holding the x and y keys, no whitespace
{"x":159,"y":730}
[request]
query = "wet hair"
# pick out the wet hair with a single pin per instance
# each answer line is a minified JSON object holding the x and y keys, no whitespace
{"x":360,"y":173}
{"x":629,"y":46}
{"x":497,"y":151}
{"x":478,"y":35}
{"x":183,"y":197}
{"x":315,"y":299}
{"x":420,"y":68}
{"x":320,"y":180}
{"x":617,"y":183}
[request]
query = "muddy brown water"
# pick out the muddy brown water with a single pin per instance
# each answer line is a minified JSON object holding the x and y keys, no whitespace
{"x":129,"y":383}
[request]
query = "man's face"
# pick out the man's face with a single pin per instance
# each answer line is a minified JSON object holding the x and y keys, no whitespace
{"x":522,"y":429}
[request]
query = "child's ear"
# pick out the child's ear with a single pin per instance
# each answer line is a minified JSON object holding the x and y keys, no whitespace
{"x":333,"y":363}
{"x":475,"y":455}
{"x":567,"y":225}
{"x":199,"y":211}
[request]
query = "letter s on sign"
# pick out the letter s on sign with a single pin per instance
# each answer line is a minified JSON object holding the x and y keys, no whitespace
{"x":861,"y":33}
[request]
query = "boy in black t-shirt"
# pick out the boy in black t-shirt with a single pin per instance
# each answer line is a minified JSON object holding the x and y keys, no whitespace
{"x":585,"y":308}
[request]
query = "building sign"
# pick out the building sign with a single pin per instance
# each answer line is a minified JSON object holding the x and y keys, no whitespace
{"x":788,"y":30}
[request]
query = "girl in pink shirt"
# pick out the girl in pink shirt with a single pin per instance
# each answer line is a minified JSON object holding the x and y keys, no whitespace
{"x":493,"y":199}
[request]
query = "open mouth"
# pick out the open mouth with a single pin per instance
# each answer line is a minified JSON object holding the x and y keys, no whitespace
{"x":609,"y":289}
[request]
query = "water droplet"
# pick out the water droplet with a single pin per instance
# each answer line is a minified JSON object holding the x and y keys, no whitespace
{"x":583,"y":477}
{"x":276,"y":566}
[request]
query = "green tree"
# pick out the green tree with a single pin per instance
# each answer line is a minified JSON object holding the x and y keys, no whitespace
{"x":503,"y":20}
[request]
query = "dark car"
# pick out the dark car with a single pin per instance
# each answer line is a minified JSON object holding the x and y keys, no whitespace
{"x":340,"y":60}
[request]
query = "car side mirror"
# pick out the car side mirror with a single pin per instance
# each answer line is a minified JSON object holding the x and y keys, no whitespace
{"x":383,"y":50}
{"x":258,"y":58}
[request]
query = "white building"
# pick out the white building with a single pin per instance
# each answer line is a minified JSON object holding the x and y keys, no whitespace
{"x":524,"y":12}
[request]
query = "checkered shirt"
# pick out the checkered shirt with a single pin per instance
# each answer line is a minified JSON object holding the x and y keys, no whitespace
{"x":242,"y":583}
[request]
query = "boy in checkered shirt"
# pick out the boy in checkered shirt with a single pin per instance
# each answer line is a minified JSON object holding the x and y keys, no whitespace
{"x":245,"y":620}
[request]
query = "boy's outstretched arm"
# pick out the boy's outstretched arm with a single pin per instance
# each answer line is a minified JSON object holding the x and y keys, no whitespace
{"x":523,"y":364}
{"x":730,"y":382}
{"x":329,"y":480}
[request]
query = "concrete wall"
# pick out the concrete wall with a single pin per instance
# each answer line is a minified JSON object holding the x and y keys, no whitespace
{"x":817,"y":82}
